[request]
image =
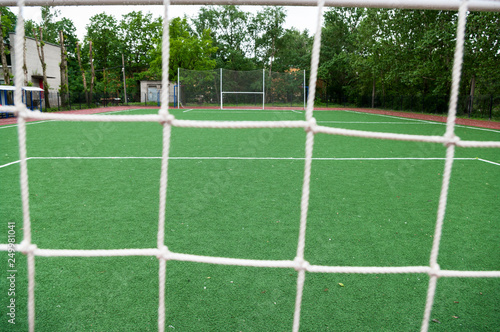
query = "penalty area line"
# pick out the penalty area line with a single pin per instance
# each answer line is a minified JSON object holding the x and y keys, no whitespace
{"x":488,"y":161}
{"x":249,"y":158}
{"x":245,"y":158}
{"x":12,"y":163}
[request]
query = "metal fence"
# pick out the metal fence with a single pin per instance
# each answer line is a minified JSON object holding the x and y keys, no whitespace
{"x":482,"y":106}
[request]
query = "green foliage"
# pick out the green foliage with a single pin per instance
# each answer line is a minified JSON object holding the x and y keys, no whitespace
{"x":384,"y":52}
{"x":294,"y":51}
{"x":406,"y":52}
{"x":103,"y":31}
{"x":268,"y":25}
{"x":230,"y":34}
{"x":138,"y":32}
{"x":8,"y":21}
{"x":188,"y":50}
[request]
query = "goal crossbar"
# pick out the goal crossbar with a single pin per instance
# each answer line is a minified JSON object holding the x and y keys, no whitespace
{"x":474,"y":5}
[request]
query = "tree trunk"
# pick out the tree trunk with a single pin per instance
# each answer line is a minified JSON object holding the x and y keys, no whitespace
{"x":373,"y":93}
{"x":83,"y":73}
{"x":92,"y":73}
{"x":25,"y":66}
{"x":6,"y":73}
{"x":41,"y":55}
{"x":472,"y":90}
{"x":64,"y":72}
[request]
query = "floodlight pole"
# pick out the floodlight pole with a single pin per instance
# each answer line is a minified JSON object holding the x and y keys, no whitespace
{"x":178,"y":87}
{"x":124,"y":81}
{"x":221,"y":88}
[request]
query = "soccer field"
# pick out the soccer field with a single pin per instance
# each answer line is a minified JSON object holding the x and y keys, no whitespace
{"x":236,"y":193}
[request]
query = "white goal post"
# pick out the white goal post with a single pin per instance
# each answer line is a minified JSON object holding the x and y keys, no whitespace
{"x":309,"y":124}
{"x":223,"y":91}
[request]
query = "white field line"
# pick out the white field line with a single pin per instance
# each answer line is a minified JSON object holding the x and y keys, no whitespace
{"x":189,"y":110}
{"x":375,"y":123}
{"x":129,"y":110}
{"x":37,"y":122}
{"x":488,"y":161}
{"x":12,"y":163}
{"x":27,"y":123}
{"x":219,"y":112}
{"x":300,"y":112}
{"x":478,"y":128}
{"x":395,"y":117}
{"x":239,"y":158}
{"x":425,"y":121}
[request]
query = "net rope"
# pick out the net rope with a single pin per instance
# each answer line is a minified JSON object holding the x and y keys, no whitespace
{"x":163,"y":254}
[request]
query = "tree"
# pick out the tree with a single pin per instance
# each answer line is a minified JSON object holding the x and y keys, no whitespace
{"x":481,"y":54}
{"x":82,"y":71}
{"x":103,"y":31}
{"x":92,"y":71}
{"x":41,"y":55}
{"x":339,"y":49}
{"x":188,"y":50}
{"x":7,"y":23}
{"x":138,"y":32}
{"x":64,"y":70}
{"x":228,"y":27}
{"x":294,"y":51}
{"x":270,"y":25}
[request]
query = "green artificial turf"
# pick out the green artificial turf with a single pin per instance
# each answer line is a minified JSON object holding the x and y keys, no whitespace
{"x":236,"y":202}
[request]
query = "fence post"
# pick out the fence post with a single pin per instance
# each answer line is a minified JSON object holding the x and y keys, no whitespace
{"x":58,"y":108}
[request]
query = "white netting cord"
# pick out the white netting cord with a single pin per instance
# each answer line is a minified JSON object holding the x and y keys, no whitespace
{"x":450,"y":154}
{"x":295,"y":264}
{"x":167,"y":129}
{"x":304,"y":207}
{"x":429,"y":302}
{"x":315,"y":62}
{"x":165,"y":56}
{"x":457,"y":69}
{"x":304,"y":204}
{"x":21,"y":130}
{"x":19,"y":46}
{"x":166,"y":120}
{"x":31,"y":291}
{"x":298,"y":299}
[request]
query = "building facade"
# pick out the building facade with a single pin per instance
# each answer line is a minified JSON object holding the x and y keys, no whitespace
{"x":34,"y":66}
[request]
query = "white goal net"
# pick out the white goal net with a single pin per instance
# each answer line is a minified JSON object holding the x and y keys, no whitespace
{"x":312,"y":128}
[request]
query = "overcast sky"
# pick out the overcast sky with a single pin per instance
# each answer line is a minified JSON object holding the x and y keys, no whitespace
{"x":298,"y":17}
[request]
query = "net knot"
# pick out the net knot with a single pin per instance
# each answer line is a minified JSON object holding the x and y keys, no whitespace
{"x":165,"y":117}
{"x":27,"y":248}
{"x":163,"y":253}
{"x":451,"y":140}
{"x":301,"y":264}
{"x":311,"y":125}
{"x":22,"y":112}
{"x":434,"y":272}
